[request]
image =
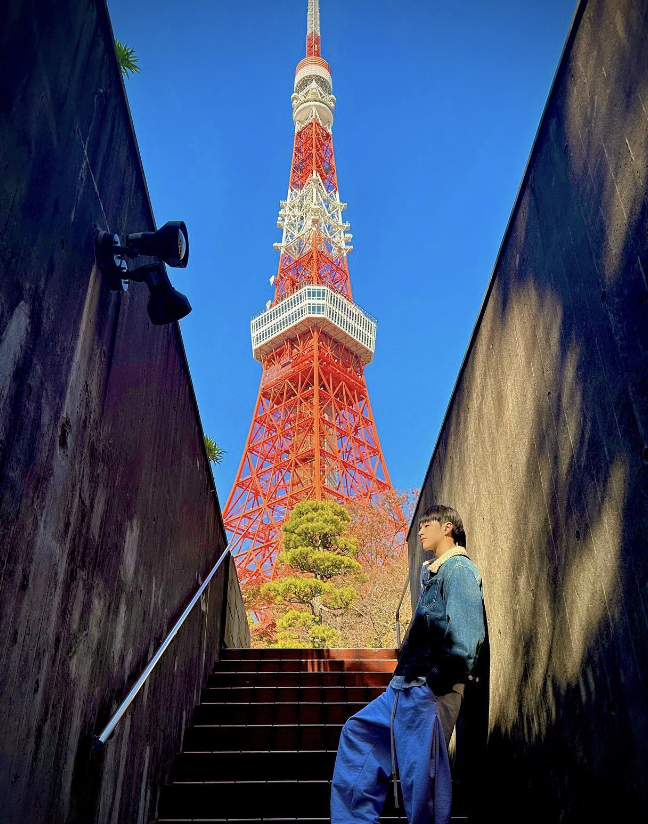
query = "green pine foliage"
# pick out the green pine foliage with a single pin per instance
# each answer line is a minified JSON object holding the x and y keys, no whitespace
{"x":322,"y":563}
{"x":325,"y":636}
{"x":294,"y":590}
{"x":296,"y":618}
{"x":339,"y":597}
{"x":317,"y":549}
{"x":319,"y":525}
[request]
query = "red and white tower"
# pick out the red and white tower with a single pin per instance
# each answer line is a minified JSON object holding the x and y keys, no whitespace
{"x":313,"y":434}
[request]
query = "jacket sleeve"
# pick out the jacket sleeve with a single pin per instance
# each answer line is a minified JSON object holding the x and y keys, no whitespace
{"x":465,"y":630}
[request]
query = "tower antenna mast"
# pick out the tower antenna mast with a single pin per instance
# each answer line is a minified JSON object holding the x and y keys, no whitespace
{"x":313,"y":39}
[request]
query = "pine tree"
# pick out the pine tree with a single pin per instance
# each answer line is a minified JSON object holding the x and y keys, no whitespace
{"x":316,"y":549}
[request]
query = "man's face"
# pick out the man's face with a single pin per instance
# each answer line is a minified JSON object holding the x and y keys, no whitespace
{"x":432,"y":533}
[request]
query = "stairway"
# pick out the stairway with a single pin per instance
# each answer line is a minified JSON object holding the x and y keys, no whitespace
{"x":263,"y":739}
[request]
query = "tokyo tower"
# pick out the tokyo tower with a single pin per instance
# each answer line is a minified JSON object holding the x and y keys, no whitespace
{"x":313,"y":435}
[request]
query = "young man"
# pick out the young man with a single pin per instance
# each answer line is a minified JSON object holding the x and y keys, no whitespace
{"x":408,"y":727}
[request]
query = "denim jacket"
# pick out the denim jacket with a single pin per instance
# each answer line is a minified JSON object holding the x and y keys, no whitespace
{"x":448,"y":624}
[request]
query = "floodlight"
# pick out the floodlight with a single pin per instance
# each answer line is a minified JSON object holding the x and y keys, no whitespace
{"x":111,"y":260}
{"x":165,"y":304}
{"x":170,"y":243}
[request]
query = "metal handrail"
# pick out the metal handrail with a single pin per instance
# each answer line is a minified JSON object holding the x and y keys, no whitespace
{"x":400,"y":604}
{"x":100,"y":740}
{"x":279,"y":300}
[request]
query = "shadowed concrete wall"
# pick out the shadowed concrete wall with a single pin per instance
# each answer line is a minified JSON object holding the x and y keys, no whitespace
{"x":236,"y":629}
{"x":544,"y":448}
{"x":109,"y":517}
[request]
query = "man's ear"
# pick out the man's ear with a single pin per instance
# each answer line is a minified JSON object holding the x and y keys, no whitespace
{"x":447,"y":531}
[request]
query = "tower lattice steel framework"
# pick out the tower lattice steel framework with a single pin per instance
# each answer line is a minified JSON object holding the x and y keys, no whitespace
{"x":313,"y":434}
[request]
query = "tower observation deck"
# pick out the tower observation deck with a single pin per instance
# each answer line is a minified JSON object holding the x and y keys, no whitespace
{"x":313,"y":435}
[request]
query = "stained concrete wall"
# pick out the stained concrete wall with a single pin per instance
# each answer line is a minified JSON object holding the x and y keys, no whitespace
{"x":236,"y":633}
{"x":544,"y":448}
{"x":109,"y":518}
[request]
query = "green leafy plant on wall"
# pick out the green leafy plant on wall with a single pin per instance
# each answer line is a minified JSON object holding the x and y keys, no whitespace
{"x":126,"y":58}
{"x":214,"y":452}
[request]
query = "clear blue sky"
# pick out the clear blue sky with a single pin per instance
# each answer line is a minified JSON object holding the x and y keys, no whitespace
{"x":437,"y":107}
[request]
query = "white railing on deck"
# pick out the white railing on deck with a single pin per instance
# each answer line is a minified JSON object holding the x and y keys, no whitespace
{"x":339,"y":317}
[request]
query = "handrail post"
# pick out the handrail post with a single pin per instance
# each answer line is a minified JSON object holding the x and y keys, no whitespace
{"x":100,"y":740}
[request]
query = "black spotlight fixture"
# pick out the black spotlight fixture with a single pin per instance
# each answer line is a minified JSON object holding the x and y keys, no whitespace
{"x":165,"y":304}
{"x":111,"y":260}
{"x":170,"y":244}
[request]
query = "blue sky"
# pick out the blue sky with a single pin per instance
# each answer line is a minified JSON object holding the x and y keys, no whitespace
{"x":437,"y":108}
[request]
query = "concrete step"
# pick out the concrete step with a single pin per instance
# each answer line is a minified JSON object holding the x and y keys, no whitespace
{"x":273,"y":714}
{"x":287,"y":695}
{"x":306,"y":654}
{"x":307,"y":665}
{"x":258,"y":800}
{"x":251,"y":799}
{"x":273,"y":765}
{"x":297,"y":678}
{"x":246,"y":738}
{"x":384,"y":819}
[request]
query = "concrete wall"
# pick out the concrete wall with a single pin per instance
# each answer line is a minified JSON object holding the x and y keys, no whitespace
{"x":236,"y":633}
{"x":544,"y":449}
{"x":109,"y":518}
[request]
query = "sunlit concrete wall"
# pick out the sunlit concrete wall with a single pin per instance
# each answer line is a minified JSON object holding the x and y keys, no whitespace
{"x":109,"y":518}
{"x":544,"y":449}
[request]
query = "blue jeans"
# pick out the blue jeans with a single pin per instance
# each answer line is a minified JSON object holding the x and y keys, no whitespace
{"x":364,"y":764}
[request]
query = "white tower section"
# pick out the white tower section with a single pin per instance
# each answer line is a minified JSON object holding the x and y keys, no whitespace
{"x":313,"y":207}
{"x":312,"y":21}
{"x":313,"y":211}
{"x":313,"y":84}
{"x":315,"y":306}
{"x":308,"y":209}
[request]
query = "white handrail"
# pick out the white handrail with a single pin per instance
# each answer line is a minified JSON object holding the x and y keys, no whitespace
{"x":100,"y":740}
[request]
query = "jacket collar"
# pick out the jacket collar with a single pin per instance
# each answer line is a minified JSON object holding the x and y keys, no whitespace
{"x":434,"y":566}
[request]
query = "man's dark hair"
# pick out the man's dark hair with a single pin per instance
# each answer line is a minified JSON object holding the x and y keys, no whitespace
{"x":445,"y":514}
